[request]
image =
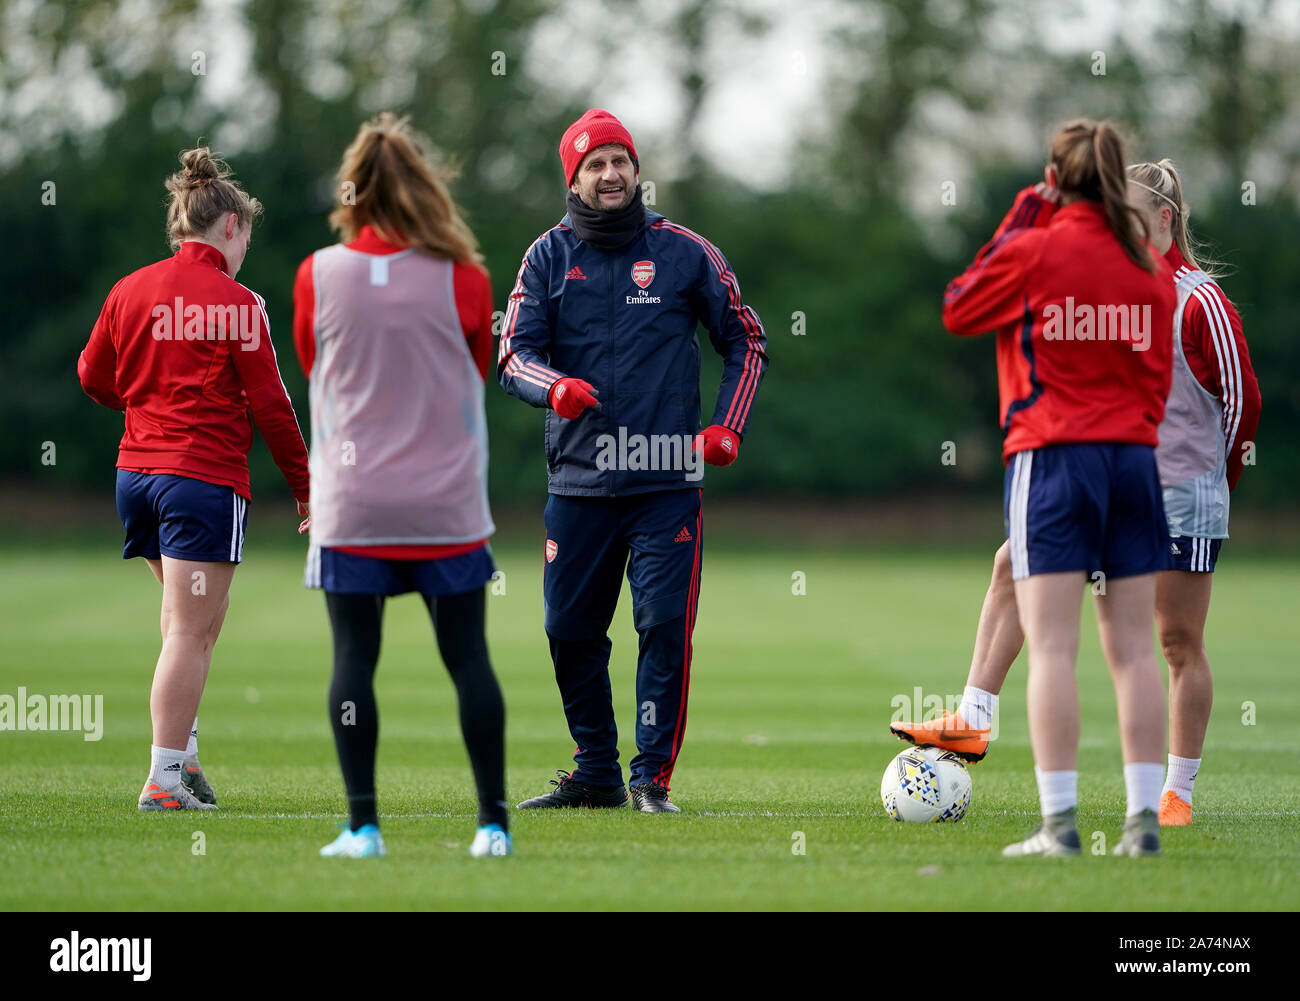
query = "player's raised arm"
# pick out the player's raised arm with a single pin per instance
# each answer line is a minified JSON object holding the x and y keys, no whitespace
{"x":1032,"y":208}
{"x":988,"y":294}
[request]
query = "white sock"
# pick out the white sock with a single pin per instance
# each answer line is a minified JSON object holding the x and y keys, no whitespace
{"x":1181,"y":776}
{"x":1142,"y":782}
{"x":1057,"y":791}
{"x":165,"y":766}
{"x":192,"y":748}
{"x":978,"y":707}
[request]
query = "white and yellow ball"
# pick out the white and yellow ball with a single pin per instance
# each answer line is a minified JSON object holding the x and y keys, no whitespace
{"x":926,"y":785}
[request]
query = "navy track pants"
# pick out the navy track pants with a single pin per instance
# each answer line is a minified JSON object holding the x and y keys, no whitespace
{"x":590,"y":542}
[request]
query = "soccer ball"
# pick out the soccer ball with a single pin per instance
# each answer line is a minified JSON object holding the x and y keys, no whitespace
{"x":926,"y":784}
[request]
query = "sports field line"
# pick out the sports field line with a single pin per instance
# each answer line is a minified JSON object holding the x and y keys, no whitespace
{"x":739,"y":814}
{"x":462,"y":816}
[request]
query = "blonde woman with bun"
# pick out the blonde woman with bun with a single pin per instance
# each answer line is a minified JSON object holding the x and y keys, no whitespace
{"x":184,"y":352}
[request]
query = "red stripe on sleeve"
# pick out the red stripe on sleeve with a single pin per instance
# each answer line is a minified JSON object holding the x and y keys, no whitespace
{"x":750,"y":369}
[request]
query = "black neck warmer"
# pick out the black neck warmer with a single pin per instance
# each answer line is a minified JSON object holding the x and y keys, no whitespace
{"x":607,"y":230}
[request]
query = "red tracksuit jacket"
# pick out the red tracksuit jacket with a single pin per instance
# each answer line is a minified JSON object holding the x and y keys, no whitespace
{"x":1049,"y":291}
{"x":186,"y":351}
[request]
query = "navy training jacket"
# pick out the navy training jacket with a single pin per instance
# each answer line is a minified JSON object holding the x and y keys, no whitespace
{"x":625,"y":321}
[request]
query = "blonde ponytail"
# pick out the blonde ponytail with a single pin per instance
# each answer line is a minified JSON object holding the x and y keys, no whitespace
{"x":1165,"y":189}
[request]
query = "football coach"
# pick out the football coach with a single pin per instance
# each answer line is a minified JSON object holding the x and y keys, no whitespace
{"x":601,"y":330}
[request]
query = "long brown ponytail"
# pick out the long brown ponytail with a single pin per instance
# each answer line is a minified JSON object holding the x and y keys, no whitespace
{"x":1089,"y":159}
{"x":203,"y":191}
{"x":389,"y":179}
{"x":1164,"y":189}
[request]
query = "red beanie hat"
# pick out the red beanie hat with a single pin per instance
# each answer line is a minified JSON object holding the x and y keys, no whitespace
{"x":595,"y":128}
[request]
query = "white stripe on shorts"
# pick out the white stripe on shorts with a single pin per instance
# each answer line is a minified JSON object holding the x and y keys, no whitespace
{"x":311,"y":578}
{"x":1024,"y":513}
{"x":1013,"y":536}
{"x":1018,"y":514}
{"x":234,"y":525}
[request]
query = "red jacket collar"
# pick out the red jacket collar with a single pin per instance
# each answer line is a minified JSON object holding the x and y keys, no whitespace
{"x":1081,"y":209}
{"x":1175,"y":258}
{"x":203,"y":253}
{"x":370,"y":242}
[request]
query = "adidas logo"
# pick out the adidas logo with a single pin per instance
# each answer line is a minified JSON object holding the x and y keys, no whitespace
{"x":684,"y":535}
{"x":576,"y":273}
{"x":175,"y":766}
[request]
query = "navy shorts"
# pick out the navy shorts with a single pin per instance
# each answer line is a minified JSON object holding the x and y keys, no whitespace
{"x":348,"y":573}
{"x":180,"y":517}
{"x":1193,"y":554}
{"x":1085,"y":507}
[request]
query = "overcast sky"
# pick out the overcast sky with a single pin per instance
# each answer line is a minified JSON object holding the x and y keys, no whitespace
{"x":766,"y":92}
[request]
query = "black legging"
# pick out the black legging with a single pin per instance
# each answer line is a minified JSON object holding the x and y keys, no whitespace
{"x":356,"y":621}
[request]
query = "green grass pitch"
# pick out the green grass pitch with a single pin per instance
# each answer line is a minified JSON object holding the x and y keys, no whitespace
{"x":788,"y":737}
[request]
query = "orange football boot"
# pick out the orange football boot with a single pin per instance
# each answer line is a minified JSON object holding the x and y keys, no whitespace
{"x":949,"y":733}
{"x":1174,"y":811}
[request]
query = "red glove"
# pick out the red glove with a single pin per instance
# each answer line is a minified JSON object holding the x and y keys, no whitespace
{"x":570,"y":397}
{"x":721,"y":445}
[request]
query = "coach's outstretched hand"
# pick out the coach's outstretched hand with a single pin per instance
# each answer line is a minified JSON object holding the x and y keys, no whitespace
{"x":570,"y":397}
{"x":721,"y":445}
